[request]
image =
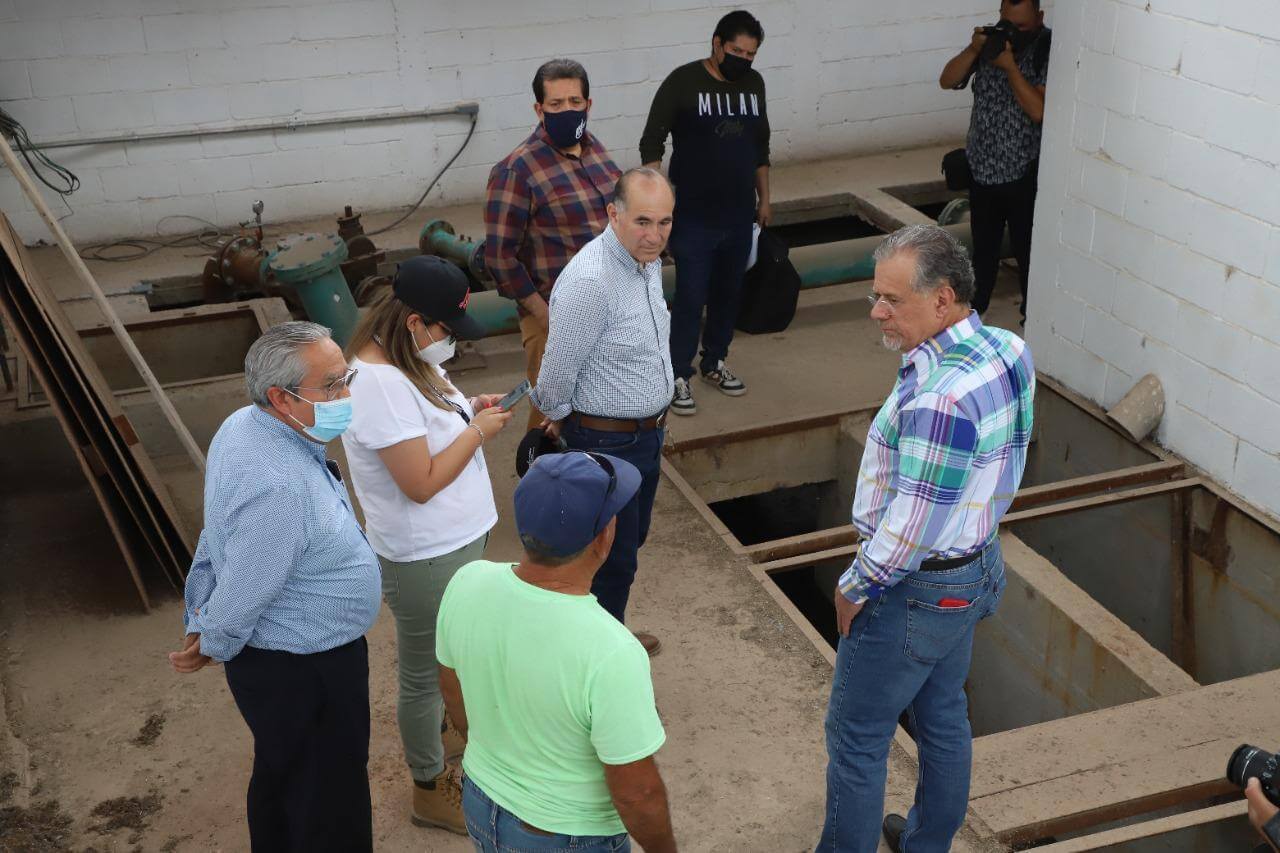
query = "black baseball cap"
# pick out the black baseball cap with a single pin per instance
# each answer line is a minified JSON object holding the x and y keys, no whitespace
{"x":439,"y":291}
{"x":535,"y":443}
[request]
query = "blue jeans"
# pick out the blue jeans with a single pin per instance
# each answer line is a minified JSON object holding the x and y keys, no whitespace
{"x":710,"y":262}
{"x":493,"y":829}
{"x":905,"y":653}
{"x":643,"y":449}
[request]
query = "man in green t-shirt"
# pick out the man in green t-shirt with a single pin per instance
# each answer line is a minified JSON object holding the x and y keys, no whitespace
{"x":552,"y":693}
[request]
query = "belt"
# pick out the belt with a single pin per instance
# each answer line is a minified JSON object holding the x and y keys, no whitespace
{"x":939,"y":564}
{"x":618,"y":424}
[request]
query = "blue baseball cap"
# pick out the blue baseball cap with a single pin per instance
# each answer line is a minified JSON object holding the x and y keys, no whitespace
{"x":566,"y":499}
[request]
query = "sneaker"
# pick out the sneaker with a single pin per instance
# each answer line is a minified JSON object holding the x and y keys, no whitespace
{"x":439,"y":803}
{"x":682,"y":403}
{"x":720,"y":377}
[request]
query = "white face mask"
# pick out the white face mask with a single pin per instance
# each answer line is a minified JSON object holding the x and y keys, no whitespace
{"x":439,"y":351}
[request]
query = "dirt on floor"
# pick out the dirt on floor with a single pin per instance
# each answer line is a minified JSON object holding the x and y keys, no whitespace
{"x":119,"y":753}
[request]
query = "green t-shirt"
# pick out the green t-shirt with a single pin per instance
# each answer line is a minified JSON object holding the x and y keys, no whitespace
{"x":554,"y":688}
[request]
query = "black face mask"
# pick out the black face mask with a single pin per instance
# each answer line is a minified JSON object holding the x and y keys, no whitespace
{"x":734,"y":68}
{"x":566,"y":128}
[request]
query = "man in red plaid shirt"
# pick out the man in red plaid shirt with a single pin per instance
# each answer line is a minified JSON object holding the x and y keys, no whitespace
{"x":545,"y":201}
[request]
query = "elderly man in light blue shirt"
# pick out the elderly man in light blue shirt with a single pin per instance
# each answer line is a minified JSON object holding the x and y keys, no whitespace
{"x":606,"y":380}
{"x":282,"y":590}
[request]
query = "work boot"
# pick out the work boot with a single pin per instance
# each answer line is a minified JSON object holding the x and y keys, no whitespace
{"x":893,"y":827}
{"x":454,"y":743}
{"x":682,"y":403}
{"x":439,"y":802}
{"x":720,"y":377}
{"x":652,"y":645}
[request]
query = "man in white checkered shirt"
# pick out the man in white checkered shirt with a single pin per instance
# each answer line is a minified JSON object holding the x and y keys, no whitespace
{"x":606,"y":381}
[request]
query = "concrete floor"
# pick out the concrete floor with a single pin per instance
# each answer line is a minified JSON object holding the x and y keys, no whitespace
{"x":741,"y":690}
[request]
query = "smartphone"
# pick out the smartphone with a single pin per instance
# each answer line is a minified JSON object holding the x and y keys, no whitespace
{"x":517,"y":394}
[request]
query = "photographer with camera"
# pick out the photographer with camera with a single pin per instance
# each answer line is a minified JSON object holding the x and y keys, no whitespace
{"x":1008,"y":63}
{"x":1258,"y":772}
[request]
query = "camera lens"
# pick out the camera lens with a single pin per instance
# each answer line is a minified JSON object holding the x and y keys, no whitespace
{"x":1246,"y":762}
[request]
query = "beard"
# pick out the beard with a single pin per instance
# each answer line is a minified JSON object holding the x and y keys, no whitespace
{"x":893,"y":343}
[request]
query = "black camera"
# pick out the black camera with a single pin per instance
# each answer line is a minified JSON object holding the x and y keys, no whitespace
{"x":1250,"y":761}
{"x":997,"y":37}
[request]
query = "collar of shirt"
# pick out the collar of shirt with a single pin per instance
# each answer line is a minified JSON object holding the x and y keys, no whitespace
{"x":588,"y":143}
{"x":618,"y":253}
{"x":924,"y":358}
{"x":269,"y":421}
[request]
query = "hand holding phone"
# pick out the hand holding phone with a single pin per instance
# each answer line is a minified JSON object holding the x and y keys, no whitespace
{"x":517,"y":394}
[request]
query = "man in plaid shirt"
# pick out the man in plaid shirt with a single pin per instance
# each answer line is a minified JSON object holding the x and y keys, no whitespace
{"x":545,"y":201}
{"x":943,"y":461}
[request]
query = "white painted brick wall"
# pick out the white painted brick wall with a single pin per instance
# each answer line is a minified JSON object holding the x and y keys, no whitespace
{"x":1157,"y":237}
{"x":842,"y":78}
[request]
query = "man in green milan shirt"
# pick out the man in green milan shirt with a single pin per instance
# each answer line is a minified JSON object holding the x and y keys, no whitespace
{"x":552,"y":693}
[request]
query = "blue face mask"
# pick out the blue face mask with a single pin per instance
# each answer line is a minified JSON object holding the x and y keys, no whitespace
{"x":565,"y":127}
{"x":332,"y":418}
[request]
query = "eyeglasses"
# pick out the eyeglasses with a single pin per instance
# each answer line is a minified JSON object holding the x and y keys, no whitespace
{"x":448,"y":340}
{"x":334,"y":388}
{"x":607,"y":466}
{"x":874,"y":299}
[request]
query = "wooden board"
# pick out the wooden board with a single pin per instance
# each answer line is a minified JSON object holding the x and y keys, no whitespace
{"x":115,"y":506}
{"x":1148,"y":829}
{"x":1070,"y":774}
{"x":77,"y":377}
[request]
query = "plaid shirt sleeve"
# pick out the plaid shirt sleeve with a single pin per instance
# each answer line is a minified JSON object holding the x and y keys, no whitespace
{"x":506,"y":219}
{"x":936,"y":448}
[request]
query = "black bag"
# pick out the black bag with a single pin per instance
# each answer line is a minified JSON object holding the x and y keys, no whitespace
{"x":955,"y":166}
{"x":770,"y":289}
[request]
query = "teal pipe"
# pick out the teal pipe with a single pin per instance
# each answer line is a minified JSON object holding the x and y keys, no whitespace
{"x":311,"y":263}
{"x":822,"y":265}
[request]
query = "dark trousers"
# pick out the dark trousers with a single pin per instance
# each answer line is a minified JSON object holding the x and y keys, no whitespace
{"x":711,"y":259}
{"x":309,"y":715}
{"x":991,"y":207}
{"x":643,"y":449}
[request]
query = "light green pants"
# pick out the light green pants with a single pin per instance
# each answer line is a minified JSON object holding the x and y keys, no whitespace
{"x":413,"y":592}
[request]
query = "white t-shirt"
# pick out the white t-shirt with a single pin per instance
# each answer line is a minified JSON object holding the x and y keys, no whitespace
{"x":387,"y":409}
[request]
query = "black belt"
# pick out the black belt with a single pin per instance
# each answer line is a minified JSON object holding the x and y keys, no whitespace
{"x":943,"y":564}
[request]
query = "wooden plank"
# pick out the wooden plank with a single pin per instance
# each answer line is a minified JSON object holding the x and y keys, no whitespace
{"x":1069,"y":774}
{"x":1149,"y":829}
{"x":104,"y":491}
{"x":102,"y":444}
{"x":99,"y":403}
{"x":82,"y":272}
{"x":1108,"y":499}
{"x":769,"y":429}
{"x":1063,"y":489}
{"x":845,"y":552}
{"x":804,"y":543}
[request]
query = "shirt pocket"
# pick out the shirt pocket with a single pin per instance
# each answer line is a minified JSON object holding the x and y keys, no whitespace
{"x":563,"y":204}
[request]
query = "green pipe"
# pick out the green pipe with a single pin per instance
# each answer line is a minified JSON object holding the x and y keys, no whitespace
{"x":821,"y":265}
{"x":311,"y":263}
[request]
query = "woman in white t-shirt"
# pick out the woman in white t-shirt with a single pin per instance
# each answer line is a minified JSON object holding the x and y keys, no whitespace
{"x":414,"y":450}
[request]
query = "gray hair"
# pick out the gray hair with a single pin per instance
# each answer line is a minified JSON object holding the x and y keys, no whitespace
{"x":623,"y":186}
{"x":274,"y":360}
{"x":941,"y":259}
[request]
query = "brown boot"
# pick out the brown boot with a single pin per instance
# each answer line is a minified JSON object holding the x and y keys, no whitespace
{"x":652,"y":645}
{"x":440,"y":804}
{"x":454,"y":742}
